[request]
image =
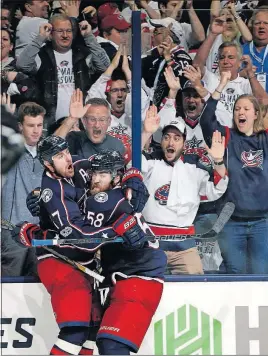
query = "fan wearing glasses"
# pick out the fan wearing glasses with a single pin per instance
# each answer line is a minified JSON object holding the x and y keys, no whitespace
{"x":96,"y":119}
{"x":60,"y":64}
{"x":114,"y":86}
{"x":258,"y":48}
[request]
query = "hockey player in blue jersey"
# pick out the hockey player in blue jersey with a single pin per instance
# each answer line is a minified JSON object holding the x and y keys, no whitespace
{"x":60,"y":211}
{"x":135,"y":268}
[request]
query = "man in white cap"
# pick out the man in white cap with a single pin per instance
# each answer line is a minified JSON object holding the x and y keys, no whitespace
{"x":191,"y":107}
{"x":176,"y":187}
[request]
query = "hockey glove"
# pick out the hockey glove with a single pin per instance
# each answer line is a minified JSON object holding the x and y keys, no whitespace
{"x":32,"y":201}
{"x":127,"y":227}
{"x":134,"y":189}
{"x":24,"y":232}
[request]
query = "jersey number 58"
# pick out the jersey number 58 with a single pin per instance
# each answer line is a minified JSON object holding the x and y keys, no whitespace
{"x":95,"y":219}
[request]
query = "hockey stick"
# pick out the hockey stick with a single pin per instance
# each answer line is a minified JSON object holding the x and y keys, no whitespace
{"x":210,"y":235}
{"x":56,"y":242}
{"x":76,"y":265}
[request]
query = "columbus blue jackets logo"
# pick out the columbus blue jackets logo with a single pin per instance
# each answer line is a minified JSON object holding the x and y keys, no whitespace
{"x":252,"y":159}
{"x":64,"y":63}
{"x":161,"y":194}
{"x":47,"y":195}
{"x":192,"y":147}
{"x":119,"y":132}
{"x":101,"y":197}
{"x":204,"y":159}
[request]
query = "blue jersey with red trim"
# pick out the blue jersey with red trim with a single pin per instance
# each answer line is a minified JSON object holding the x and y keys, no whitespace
{"x":81,"y":177}
{"x":246,"y":159}
{"x":104,"y":209}
{"x":61,"y":207}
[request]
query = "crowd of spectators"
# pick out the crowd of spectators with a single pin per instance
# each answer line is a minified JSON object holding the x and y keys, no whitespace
{"x":66,"y":70}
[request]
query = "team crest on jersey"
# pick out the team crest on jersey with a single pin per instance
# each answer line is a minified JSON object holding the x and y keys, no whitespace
{"x":252,"y":159}
{"x":161,"y":194}
{"x":101,"y":197}
{"x":192,"y":147}
{"x":119,"y":132}
{"x":66,"y":231}
{"x":47,"y":195}
{"x":205,"y":161}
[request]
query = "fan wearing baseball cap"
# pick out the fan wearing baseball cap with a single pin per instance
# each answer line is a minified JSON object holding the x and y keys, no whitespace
{"x":189,"y":101}
{"x":176,"y":185}
{"x":173,"y":138}
{"x":107,"y":9}
{"x":192,"y":103}
{"x":115,"y":21}
{"x":112,"y":27}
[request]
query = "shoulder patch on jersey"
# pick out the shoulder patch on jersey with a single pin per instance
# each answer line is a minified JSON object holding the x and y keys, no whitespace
{"x":66,"y":231}
{"x":101,"y":197}
{"x":47,"y":194}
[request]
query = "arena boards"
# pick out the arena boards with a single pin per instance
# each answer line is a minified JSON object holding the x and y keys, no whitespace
{"x":216,"y":315}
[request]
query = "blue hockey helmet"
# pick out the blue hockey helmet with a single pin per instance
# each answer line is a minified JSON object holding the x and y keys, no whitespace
{"x":108,"y":161}
{"x":49,"y":147}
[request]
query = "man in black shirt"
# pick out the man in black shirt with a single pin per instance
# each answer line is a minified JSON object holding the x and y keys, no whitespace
{"x":96,"y":118}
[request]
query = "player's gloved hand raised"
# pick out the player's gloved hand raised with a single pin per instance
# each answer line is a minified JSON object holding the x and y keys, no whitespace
{"x":134,"y":189}
{"x":24,"y":232}
{"x":32,"y":201}
{"x":127,"y":227}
